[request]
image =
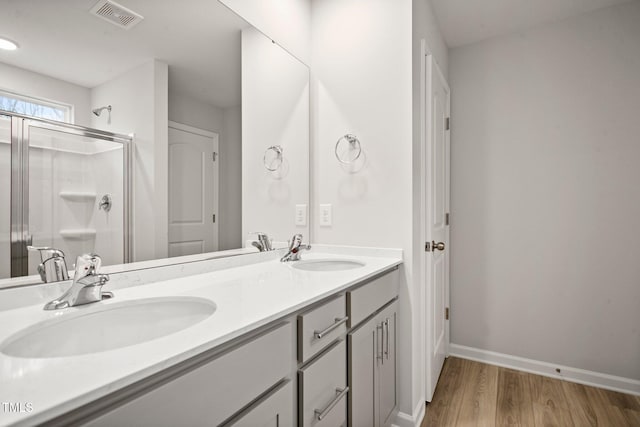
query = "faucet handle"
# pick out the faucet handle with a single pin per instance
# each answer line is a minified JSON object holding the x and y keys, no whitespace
{"x":265,"y":243}
{"x":53,"y":267}
{"x":87,"y":264}
{"x":46,"y":252}
{"x":296,"y":241}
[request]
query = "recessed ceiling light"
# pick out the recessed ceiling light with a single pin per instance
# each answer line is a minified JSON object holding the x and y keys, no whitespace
{"x":7,"y":44}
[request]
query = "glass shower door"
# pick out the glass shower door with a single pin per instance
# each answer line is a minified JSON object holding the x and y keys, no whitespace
{"x":75,"y":193}
{"x":5,"y":197}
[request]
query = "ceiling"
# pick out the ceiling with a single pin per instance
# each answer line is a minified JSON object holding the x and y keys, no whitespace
{"x":199,"y":39}
{"x":464,"y":22}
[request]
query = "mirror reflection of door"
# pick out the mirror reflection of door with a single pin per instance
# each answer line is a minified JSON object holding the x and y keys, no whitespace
{"x":193,"y":190}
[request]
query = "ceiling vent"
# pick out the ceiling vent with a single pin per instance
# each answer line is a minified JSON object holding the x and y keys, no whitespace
{"x":116,"y":14}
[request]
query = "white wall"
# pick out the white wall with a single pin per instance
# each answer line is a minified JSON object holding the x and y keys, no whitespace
{"x":425,"y":27}
{"x":545,"y":199}
{"x":226,"y":122}
{"x":275,"y":111}
{"x":362,"y":85}
{"x":139,"y":99}
{"x":25,"y":82}
{"x":192,"y":112}
{"x":284,"y":21}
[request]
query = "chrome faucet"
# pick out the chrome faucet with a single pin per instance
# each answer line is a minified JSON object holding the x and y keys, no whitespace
{"x":53,"y":267}
{"x":294,"y":249}
{"x":86,"y":287}
{"x":264,"y":242}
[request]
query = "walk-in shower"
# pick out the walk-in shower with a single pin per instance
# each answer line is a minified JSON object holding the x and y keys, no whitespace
{"x":53,"y":179}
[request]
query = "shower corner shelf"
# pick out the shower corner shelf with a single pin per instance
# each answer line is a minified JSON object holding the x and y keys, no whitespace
{"x":78,"y":233}
{"x":78,"y":196}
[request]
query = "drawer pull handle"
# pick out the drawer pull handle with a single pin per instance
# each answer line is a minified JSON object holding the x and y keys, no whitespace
{"x":386,"y":325}
{"x":340,"y":393}
{"x":380,"y":342}
{"x":339,"y":321}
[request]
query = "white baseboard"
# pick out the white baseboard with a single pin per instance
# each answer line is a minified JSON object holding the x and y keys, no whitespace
{"x":581,"y":376}
{"x":406,"y":420}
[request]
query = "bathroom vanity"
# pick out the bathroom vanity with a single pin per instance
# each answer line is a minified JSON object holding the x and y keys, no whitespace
{"x":307,"y":343}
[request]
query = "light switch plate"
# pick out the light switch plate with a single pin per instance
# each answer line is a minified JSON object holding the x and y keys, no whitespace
{"x":301,"y":215}
{"x":326,"y":215}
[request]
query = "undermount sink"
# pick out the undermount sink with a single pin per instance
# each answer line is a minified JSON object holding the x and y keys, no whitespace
{"x":108,"y":327}
{"x":327,"y":264}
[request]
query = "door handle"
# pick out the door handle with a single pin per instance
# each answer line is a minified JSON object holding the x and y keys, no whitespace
{"x":439,"y":246}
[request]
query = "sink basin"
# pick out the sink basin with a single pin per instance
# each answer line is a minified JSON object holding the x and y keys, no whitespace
{"x":327,"y":264}
{"x":93,"y":329}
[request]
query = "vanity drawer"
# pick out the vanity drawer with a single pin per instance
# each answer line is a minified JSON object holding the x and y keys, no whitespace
{"x":323,"y":390}
{"x":213,"y":392}
{"x":366,"y":299}
{"x":318,"y":327}
{"x":276,"y":410}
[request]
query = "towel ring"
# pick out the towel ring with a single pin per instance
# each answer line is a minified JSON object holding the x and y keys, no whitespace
{"x":353,"y":149}
{"x":273,"y":158}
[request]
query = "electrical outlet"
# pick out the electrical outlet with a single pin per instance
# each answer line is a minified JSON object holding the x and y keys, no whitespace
{"x":301,"y":215}
{"x":325,"y":215}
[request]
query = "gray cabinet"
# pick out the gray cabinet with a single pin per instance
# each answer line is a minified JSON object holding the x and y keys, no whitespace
{"x":215,"y":391}
{"x":320,"y":326}
{"x":362,"y":344}
{"x":273,"y":411}
{"x":373,"y":371}
{"x":387,"y":390}
{"x":373,"y":396}
{"x":323,"y":389}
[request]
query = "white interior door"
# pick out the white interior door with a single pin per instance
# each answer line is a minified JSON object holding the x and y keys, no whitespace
{"x":437,"y":224}
{"x":193,"y":190}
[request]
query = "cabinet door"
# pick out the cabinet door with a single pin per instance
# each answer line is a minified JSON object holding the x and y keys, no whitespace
{"x":387,"y":367}
{"x":275,"y":411}
{"x":362,"y":353}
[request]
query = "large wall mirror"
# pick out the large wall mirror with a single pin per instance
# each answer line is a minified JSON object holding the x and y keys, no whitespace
{"x":144,"y":130}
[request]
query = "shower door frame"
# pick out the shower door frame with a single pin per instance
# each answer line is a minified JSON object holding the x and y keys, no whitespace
{"x":20,"y":143}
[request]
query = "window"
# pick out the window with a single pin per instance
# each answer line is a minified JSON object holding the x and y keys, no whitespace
{"x":34,"y":107}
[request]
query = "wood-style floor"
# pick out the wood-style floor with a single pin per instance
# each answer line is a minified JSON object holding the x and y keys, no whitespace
{"x":475,"y":394}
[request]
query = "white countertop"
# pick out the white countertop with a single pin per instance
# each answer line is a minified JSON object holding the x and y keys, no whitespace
{"x":247,"y":297}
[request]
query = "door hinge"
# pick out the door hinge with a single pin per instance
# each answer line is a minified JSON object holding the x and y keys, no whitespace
{"x":447,"y":123}
{"x":214,"y":218}
{"x":446,"y":313}
{"x":446,"y":218}
{"x":427,"y":247}
{"x":215,"y":156}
